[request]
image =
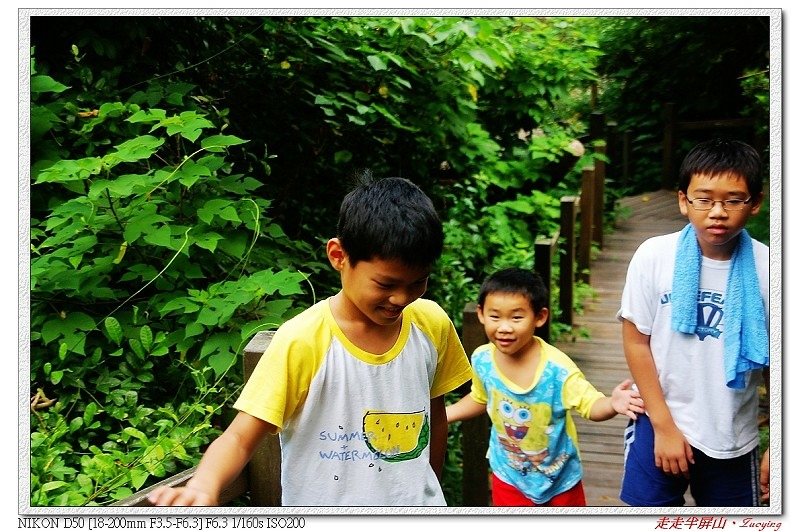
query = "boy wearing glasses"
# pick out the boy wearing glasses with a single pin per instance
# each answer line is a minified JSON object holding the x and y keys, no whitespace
{"x":695,"y":319}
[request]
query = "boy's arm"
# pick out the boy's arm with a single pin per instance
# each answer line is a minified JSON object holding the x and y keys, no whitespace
{"x":220,"y":465}
{"x":466,"y":408}
{"x":672,"y":452}
{"x":623,"y":400}
{"x":438,"y":435}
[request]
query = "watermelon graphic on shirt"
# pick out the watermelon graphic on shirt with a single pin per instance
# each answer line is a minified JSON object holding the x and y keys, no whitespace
{"x":396,"y":436}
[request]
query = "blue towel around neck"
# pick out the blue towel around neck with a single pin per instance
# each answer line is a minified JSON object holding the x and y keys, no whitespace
{"x":746,"y":337}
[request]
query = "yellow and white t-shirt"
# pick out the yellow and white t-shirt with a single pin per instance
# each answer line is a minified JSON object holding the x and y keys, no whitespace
{"x":355,"y":426}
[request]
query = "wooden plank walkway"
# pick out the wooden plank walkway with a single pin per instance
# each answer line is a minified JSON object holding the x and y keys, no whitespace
{"x":601,"y":356}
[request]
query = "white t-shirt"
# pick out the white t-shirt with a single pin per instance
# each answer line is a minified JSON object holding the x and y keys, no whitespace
{"x":719,"y":421}
{"x":355,"y":426}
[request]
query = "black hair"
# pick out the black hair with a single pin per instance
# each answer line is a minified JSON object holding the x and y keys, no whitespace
{"x":517,"y":280}
{"x":720,"y":156}
{"x":390,"y":218}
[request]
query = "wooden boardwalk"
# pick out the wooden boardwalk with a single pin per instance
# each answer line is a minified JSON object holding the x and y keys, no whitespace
{"x":600,"y":356}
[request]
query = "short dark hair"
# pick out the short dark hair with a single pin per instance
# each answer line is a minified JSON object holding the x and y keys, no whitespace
{"x":517,"y":280}
{"x":390,"y":218}
{"x":719,"y":156}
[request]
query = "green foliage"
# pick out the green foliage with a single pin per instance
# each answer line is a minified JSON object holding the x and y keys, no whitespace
{"x":700,"y":63}
{"x":111,"y":448}
{"x":439,"y":100}
{"x":144,"y":289}
{"x":758,"y":226}
{"x":755,"y":87}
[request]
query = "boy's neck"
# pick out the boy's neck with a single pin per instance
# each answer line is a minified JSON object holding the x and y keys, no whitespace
{"x":721,"y":253}
{"x":522,"y":367}
{"x":360,"y":330}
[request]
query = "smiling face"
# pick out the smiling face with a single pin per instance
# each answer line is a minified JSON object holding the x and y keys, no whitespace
{"x":718,"y":228}
{"x":510,"y":322}
{"x":375,"y":291}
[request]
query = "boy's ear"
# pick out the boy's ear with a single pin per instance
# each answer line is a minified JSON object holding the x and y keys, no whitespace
{"x":756,"y":204}
{"x":683,"y":206}
{"x":541,"y":317}
{"x":336,"y":254}
{"x":479,"y":311}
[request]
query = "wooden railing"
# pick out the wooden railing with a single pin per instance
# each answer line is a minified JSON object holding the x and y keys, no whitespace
{"x":261,"y":478}
{"x":580,"y":228}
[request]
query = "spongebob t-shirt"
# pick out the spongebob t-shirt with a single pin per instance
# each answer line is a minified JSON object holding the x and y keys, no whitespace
{"x":355,"y":426}
{"x":534,"y":443}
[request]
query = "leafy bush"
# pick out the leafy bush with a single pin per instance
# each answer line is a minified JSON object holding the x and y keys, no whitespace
{"x":700,"y":63}
{"x":144,"y":290}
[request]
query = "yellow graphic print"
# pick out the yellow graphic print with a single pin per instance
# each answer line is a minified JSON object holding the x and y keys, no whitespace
{"x":396,"y":436}
{"x":523,"y":429}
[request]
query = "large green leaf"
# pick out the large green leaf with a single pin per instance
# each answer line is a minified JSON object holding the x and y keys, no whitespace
{"x":42,"y":83}
{"x":133,"y":150}
{"x":70,"y":170}
{"x":220,"y":141}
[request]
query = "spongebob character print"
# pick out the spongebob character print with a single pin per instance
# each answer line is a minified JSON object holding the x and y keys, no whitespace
{"x":533,"y":444}
{"x":523,"y":430}
{"x":355,"y":426}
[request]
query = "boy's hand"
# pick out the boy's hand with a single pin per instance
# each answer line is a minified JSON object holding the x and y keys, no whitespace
{"x":764,"y":479}
{"x":181,"y":497}
{"x":627,"y":401}
{"x":673,"y":454}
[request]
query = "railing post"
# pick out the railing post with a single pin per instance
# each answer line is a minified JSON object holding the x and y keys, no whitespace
{"x":587,"y":215}
{"x":543,"y":251}
{"x":569,"y":210}
{"x":612,"y":150}
{"x":599,"y":195}
{"x":474,"y":432}
{"x":597,"y":126}
{"x":264,"y":469}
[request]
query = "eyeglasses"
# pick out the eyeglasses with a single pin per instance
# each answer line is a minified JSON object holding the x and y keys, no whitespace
{"x":730,"y":205}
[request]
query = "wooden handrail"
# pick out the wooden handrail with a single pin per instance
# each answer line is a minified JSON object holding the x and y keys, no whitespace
{"x":588,"y":204}
{"x":235,"y":490}
{"x":474,"y":432}
{"x":599,"y":180}
{"x":261,"y":478}
{"x":265,"y":465}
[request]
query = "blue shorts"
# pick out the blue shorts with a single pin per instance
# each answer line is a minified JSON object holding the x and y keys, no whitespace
{"x":712,"y":482}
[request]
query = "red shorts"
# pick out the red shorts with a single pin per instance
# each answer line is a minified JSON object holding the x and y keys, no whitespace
{"x":504,"y":495}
